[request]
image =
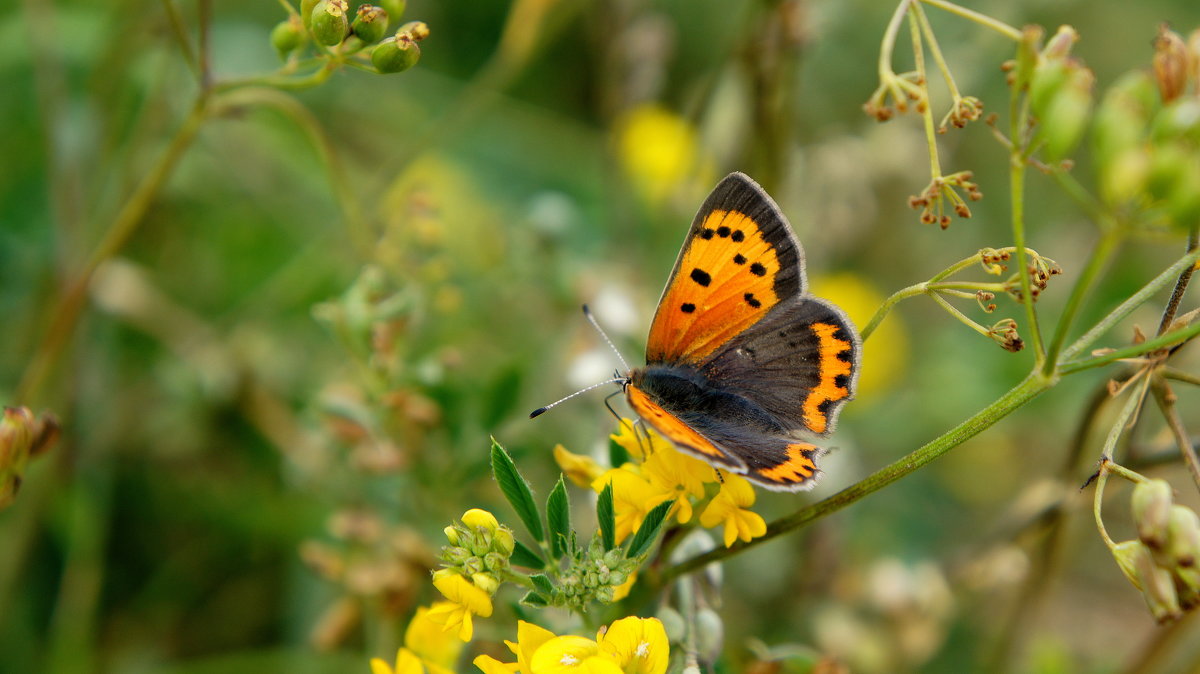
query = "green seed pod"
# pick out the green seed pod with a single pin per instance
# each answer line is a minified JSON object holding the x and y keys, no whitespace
{"x":1065,"y":118}
{"x":17,"y":436}
{"x":1047,"y":80}
{"x":287,"y":35}
{"x":1170,"y":64}
{"x":673,"y":623}
{"x":394,"y":8}
{"x":329,"y":22}
{"x":1179,"y":120}
{"x":1122,"y":116}
{"x":395,"y":54}
{"x":417,"y":30}
{"x":370,"y":24}
{"x":1125,"y":176}
{"x":1151,"y":511}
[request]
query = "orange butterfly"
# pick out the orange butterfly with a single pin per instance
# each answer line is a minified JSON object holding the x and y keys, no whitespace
{"x":742,"y":364}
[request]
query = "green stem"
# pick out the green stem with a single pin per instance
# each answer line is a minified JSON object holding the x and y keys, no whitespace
{"x":936,"y":52}
{"x":935,"y":166}
{"x":1127,"y":307}
{"x":981,"y":19}
{"x":888,"y":46}
{"x":1180,"y":375}
{"x":886,"y":307}
{"x":1097,"y":501}
{"x":959,"y":315}
{"x":1006,"y":404}
{"x":1105,"y":248}
{"x":128,"y":219}
{"x":1161,"y":342}
{"x":1166,"y":403}
{"x":1017,"y":179}
{"x":1181,"y":285}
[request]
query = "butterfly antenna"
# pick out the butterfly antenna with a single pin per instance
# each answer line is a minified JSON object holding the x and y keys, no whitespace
{"x":542,"y":410}
{"x":592,"y":319}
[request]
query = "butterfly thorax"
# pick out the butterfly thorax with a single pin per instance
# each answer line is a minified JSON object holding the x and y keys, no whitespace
{"x":687,"y":394}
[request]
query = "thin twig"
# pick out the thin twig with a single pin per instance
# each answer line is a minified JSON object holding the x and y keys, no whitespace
{"x":1181,"y":285}
{"x":1166,"y":403}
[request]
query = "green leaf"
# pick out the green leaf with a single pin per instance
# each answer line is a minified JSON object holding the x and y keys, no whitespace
{"x":558,"y":518}
{"x":516,"y":490}
{"x":523,"y":556}
{"x":541,"y":582}
{"x":617,"y":456}
{"x":607,"y":517}
{"x":534,"y":599}
{"x":646,"y":533}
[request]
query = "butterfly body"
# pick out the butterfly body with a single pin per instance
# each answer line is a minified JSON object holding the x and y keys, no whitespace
{"x":742,"y":365}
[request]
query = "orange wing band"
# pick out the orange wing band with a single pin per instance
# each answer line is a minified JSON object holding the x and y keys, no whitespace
{"x":832,"y":366}
{"x":675,"y":430}
{"x":798,"y":467}
{"x":723,"y":284}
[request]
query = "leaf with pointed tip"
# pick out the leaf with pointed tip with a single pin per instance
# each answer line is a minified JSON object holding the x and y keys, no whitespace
{"x":523,"y":556}
{"x":516,"y":490}
{"x":558,"y":519}
{"x":607,"y":517}
{"x":644,"y":538}
{"x":541,"y":582}
{"x":534,"y":599}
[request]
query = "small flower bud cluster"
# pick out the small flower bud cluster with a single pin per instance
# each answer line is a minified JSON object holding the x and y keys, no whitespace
{"x":1040,"y":270}
{"x":22,"y":436}
{"x":1005,"y":334}
{"x":593,"y":576}
{"x":1164,"y":561}
{"x":479,"y":549}
{"x":332,"y":25}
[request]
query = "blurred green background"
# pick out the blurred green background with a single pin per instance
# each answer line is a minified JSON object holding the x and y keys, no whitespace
{"x":266,"y":426}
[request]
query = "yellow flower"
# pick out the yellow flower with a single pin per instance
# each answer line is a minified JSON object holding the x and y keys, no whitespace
{"x":406,"y":663}
{"x":886,"y":353}
{"x":437,"y":649}
{"x":491,"y":665}
{"x":465,"y":600}
{"x":530,"y":637}
{"x":571,"y":654}
{"x":729,"y":506}
{"x":677,"y":476}
{"x":639,"y":645}
{"x":633,"y":497}
{"x":659,"y":151}
{"x":480,"y":519}
{"x":580,"y":469}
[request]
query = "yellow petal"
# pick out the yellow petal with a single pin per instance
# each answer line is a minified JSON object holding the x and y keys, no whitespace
{"x":639,"y":645}
{"x":380,"y":667}
{"x":490,"y":665}
{"x":580,"y":469}
{"x":408,"y":663}
{"x":530,"y":637}
{"x":430,"y":641}
{"x":461,"y":591}
{"x":476,"y":518}
{"x":572,"y":655}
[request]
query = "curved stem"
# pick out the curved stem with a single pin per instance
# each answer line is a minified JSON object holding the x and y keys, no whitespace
{"x":981,"y":19}
{"x":1096,"y":263}
{"x":886,"y":307}
{"x":1161,"y":342}
{"x":1015,"y":398}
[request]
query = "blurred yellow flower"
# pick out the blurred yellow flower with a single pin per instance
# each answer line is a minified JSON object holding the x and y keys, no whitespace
{"x":490,"y":665}
{"x":658,"y":149}
{"x":406,"y":663}
{"x":633,"y":497}
{"x":621,"y":591}
{"x":465,"y":600}
{"x":639,"y":645}
{"x":637,"y":445}
{"x":676,"y":476}
{"x":580,"y":469}
{"x":572,"y":654}
{"x":885,"y":354}
{"x":729,"y":506}
{"x":437,"y":648}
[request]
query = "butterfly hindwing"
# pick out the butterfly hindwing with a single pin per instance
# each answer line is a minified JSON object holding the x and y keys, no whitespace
{"x":799,"y":364}
{"x":739,"y":260}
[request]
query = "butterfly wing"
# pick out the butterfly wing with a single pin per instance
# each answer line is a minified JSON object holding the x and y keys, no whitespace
{"x":799,"y":364}
{"x":739,"y":260}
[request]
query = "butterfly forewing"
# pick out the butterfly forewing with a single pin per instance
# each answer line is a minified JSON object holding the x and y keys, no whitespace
{"x":740,"y":259}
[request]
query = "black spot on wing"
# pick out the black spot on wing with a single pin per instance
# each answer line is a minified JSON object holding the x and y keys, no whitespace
{"x":739,"y":259}
{"x":687,"y":307}
{"x":738,"y":236}
{"x":758,"y":270}
{"x":752,"y":300}
{"x":700,"y":276}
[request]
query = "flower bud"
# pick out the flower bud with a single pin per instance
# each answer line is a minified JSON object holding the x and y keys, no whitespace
{"x":451,"y":534}
{"x":494,"y":561}
{"x":605,"y":595}
{"x":1127,"y":553}
{"x":287,"y":35}
{"x":455,"y":554}
{"x":486,"y":582}
{"x":617,"y":578}
{"x":503,"y":542}
{"x":1170,"y":64}
{"x":417,"y":30}
{"x":476,"y":518}
{"x":1158,"y":589}
{"x":612,"y":558}
{"x":394,"y":8}
{"x":1183,"y":537}
{"x":329,"y":22}
{"x":472,"y":566}
{"x":1151,"y":512}
{"x":710,"y":634}
{"x":395,"y":54}
{"x":370,"y":24}
{"x":673,"y":623}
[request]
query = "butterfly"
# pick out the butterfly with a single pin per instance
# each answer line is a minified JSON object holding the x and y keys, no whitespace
{"x":743,"y":366}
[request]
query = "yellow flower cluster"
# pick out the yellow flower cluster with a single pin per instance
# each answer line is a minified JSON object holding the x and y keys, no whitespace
{"x":630,"y":645}
{"x":658,"y":472}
